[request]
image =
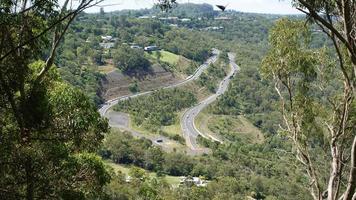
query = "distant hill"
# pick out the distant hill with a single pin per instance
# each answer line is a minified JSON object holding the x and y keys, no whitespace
{"x":189,"y":10}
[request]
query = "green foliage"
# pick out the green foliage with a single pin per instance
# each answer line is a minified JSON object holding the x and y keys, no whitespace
{"x":134,"y":87}
{"x":77,"y":61}
{"x":61,"y":123}
{"x":212,"y":77}
{"x":248,"y":93}
{"x":190,"y":44}
{"x":236,"y":170}
{"x":130,"y":61}
{"x":158,"y":109}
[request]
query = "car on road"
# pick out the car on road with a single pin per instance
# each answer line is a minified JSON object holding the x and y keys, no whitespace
{"x":159,"y":141}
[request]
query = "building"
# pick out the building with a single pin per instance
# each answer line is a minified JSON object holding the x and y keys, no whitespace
{"x":151,"y":48}
{"x":106,"y":38}
{"x":193,"y":181}
{"x":144,"y":17}
{"x":185,"y":20}
{"x":107,"y":45}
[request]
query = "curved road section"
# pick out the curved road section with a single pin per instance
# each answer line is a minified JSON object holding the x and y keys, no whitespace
{"x":107,"y":105}
{"x":190,"y":132}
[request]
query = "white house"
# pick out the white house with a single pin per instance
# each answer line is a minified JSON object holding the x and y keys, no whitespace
{"x":107,"y":45}
{"x":151,"y":48}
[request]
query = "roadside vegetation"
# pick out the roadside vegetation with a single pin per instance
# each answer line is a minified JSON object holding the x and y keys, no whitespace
{"x":210,"y":79}
{"x":249,"y":165}
{"x":295,"y":144}
{"x":157,"y":109}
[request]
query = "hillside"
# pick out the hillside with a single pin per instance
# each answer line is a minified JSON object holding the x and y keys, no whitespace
{"x":157,"y":116}
{"x":177,"y":102}
{"x":116,"y":84}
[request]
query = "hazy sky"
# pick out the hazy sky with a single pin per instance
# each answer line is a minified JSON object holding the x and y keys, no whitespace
{"x":258,"y":6}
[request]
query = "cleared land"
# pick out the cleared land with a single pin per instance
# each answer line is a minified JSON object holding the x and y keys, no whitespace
{"x":229,"y":127}
{"x":172,"y":180}
{"x":106,"y":69}
{"x":165,"y":56}
{"x":117,"y":84}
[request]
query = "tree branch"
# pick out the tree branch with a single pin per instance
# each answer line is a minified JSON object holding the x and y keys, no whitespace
{"x":317,"y":17}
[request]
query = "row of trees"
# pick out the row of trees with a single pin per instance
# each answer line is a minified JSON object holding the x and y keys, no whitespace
{"x":249,"y":169}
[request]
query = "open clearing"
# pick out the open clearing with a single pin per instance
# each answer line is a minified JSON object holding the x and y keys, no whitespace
{"x":166,"y":56}
{"x":172,"y":180}
{"x":106,"y":69}
{"x":237,"y":126}
{"x":116,"y":84}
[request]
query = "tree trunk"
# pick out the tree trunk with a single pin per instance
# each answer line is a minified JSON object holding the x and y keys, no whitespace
{"x":29,"y":180}
{"x":351,"y":186}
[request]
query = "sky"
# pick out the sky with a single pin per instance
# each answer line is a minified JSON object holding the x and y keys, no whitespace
{"x":256,"y":6}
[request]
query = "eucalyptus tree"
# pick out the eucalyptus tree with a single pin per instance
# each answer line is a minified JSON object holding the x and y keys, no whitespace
{"x":49,"y":131}
{"x":317,"y":93}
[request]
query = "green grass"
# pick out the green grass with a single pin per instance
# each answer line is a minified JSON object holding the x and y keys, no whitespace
{"x":124,"y":169}
{"x":170,"y":130}
{"x":174,"y":129}
{"x":172,"y":180}
{"x":166,"y":56}
{"x":238,"y":125}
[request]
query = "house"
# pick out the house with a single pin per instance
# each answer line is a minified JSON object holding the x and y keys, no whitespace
{"x":193,"y":181}
{"x":151,"y":48}
{"x":172,"y":18}
{"x":185,"y":20}
{"x":144,"y":17}
{"x":106,"y":38}
{"x":107,"y":45}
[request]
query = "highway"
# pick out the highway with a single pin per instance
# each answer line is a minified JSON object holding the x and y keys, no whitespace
{"x":107,"y":105}
{"x":190,"y":132}
{"x":119,"y":120}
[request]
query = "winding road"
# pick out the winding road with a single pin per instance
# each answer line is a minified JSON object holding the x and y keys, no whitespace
{"x":107,"y":105}
{"x":190,"y":132}
{"x":121,"y":120}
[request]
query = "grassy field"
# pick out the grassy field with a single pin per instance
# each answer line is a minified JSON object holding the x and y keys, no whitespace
{"x":174,"y":129}
{"x":166,"y":56}
{"x":236,"y":126}
{"x":171,"y":144}
{"x":105,"y":69}
{"x":172,"y":180}
{"x":201,"y":122}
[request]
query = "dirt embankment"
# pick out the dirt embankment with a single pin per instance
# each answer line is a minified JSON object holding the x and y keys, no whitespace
{"x":117,"y":84}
